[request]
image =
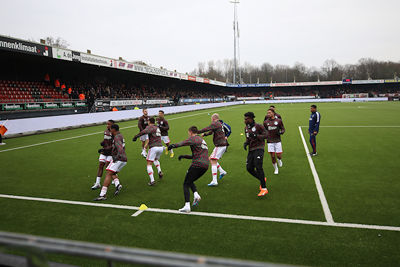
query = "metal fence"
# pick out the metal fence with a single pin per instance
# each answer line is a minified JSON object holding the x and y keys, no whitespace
{"x":112,"y":254}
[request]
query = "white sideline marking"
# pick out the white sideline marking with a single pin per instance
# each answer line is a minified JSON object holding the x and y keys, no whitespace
{"x":360,"y":126}
{"x":209,"y":214}
{"x":79,"y":136}
{"x":137,"y":213}
{"x":324,"y":203}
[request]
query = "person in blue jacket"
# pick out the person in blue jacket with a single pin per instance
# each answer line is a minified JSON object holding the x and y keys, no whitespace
{"x":313,"y":128}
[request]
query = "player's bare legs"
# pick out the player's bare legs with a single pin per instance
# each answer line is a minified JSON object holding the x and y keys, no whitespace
{"x":99,"y":175}
{"x":150,"y":173}
{"x":158,"y":166}
{"x":144,"y":147}
{"x":110,"y":175}
{"x":279,"y":156}
{"x":273,"y":158}
{"x":214,"y":172}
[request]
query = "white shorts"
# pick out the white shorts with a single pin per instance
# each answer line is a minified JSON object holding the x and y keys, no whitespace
{"x":165,"y":139}
{"x":144,"y":137}
{"x":218,"y":152}
{"x":104,"y":158}
{"x":155,"y":153}
{"x":275,"y":147}
{"x":116,"y":166}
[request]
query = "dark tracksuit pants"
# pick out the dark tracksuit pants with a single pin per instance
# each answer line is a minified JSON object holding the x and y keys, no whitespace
{"x":192,"y":175}
{"x":254,"y":165}
{"x":313,"y":142}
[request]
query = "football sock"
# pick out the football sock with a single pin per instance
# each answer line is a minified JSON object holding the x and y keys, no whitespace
{"x":196,"y":195}
{"x":98,"y":180}
{"x":103,"y":191}
{"x":220,"y":169}
{"x":187,"y":205}
{"x":214,"y":170}
{"x":172,"y":151}
{"x":275,"y":166}
{"x":116,"y":182}
{"x":158,"y":166}
{"x":150,"y":172}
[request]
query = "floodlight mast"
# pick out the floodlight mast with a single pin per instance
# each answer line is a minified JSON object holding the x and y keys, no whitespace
{"x":235,"y":40}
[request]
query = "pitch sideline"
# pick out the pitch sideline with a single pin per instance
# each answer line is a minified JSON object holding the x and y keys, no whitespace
{"x":321,"y":194}
{"x":208,"y":214}
{"x":84,"y":135}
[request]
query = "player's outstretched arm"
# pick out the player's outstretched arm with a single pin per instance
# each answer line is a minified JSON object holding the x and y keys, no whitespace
{"x":145,"y":131}
{"x":185,"y":157}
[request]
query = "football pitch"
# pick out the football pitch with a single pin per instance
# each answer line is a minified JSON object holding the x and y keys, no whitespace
{"x":341,"y":207}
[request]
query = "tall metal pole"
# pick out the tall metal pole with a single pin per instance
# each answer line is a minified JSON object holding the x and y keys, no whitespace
{"x":235,"y":24}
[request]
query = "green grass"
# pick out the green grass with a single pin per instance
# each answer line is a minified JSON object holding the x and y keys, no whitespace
{"x":358,"y":169}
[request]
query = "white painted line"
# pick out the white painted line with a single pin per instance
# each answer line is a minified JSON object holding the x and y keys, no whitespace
{"x":358,"y":126}
{"x":322,"y":198}
{"x":84,"y":135}
{"x":137,"y":213}
{"x":209,"y":214}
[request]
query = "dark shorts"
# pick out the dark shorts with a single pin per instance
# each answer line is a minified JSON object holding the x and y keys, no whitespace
{"x":193,"y":174}
{"x":255,"y":157}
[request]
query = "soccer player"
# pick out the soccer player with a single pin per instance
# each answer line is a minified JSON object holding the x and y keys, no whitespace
{"x":198,"y":167}
{"x":119,"y":160}
{"x":276,"y":114}
{"x":164,"y":127}
{"x":155,"y":149}
{"x":142,"y":124}
{"x":105,"y":154}
{"x":313,"y":128}
{"x":255,"y":140}
{"x":275,"y":129}
{"x":220,"y":144}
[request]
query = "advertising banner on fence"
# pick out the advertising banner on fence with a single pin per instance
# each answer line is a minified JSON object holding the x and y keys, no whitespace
{"x":367,"y":81}
{"x":16,"y":45}
{"x":33,"y":106}
{"x":63,"y":54}
{"x":156,"y":101}
{"x":392,"y":81}
{"x":76,"y":56}
{"x":126,"y":103}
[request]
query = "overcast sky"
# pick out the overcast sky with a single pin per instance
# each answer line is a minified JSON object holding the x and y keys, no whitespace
{"x":179,"y":34}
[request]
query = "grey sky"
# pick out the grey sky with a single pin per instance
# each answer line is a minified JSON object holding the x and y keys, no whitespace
{"x":178,"y":34}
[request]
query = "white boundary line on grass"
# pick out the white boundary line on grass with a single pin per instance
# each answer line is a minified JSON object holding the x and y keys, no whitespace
{"x":324,"y":203}
{"x":208,"y":214}
{"x":358,"y":126}
{"x":84,"y":135}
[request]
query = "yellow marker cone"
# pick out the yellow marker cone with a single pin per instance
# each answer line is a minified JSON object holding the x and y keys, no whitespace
{"x":241,"y":133}
{"x":143,"y":207}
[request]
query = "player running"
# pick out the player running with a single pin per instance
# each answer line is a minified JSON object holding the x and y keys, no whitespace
{"x":275,"y":129}
{"x":162,"y":123}
{"x":155,"y":149}
{"x":220,"y":144}
{"x":105,"y":154}
{"x":255,"y":140}
{"x":142,"y":124}
{"x":313,"y":128}
{"x":119,"y":160}
{"x":198,"y":167}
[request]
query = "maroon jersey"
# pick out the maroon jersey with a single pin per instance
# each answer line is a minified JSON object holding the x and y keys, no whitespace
{"x":219,"y":135}
{"x":257,"y":142}
{"x":107,"y":143}
{"x":118,"y":148}
{"x":276,"y":116}
{"x":274,"y":130}
{"x":154,"y":135}
{"x":143,"y":122}
{"x":199,"y":151}
{"x":163,"y":125}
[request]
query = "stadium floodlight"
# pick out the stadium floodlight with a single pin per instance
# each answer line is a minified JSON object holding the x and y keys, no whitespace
{"x":235,"y":41}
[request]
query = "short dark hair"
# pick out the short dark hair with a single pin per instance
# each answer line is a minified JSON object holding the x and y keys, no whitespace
{"x":152,"y":120}
{"x":272,"y":106}
{"x":313,"y":106}
{"x":162,"y":111}
{"x":250,"y":115}
{"x":112,"y":121}
{"x":193,"y":129}
{"x":115,"y":127}
{"x":272,"y":110}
